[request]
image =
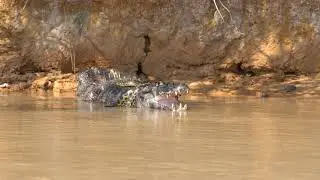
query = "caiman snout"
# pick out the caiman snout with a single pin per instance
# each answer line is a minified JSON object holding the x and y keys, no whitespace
{"x":168,"y":97}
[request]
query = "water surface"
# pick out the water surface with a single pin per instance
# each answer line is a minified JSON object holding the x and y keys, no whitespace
{"x":48,"y":138}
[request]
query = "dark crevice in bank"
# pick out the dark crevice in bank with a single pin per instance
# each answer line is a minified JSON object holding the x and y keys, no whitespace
{"x":237,"y":68}
{"x":243,"y":70}
{"x":146,"y":50}
{"x":139,"y":69}
{"x":147,"y":43}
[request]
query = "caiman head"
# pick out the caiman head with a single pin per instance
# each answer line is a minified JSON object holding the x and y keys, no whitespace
{"x":162,"y":95}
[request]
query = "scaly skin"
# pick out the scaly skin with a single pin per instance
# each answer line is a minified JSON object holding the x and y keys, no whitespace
{"x":116,"y":89}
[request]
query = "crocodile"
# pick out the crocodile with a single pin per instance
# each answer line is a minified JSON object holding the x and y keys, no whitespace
{"x":117,"y":89}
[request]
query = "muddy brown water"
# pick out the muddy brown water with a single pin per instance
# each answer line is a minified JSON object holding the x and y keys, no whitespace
{"x":48,"y":138}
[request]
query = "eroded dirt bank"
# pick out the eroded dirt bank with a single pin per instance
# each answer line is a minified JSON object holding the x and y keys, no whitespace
{"x":254,"y":50}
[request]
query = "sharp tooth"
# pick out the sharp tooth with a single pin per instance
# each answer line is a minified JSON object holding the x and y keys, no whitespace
{"x":185,"y":107}
{"x":167,"y":96}
{"x":176,"y":93}
{"x":180,"y":106}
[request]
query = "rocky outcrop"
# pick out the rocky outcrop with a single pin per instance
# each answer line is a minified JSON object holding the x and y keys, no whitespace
{"x":179,"y":39}
{"x":56,"y":82}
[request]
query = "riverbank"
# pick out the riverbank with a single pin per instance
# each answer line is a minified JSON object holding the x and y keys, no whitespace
{"x":257,"y":49}
{"x":224,"y":85}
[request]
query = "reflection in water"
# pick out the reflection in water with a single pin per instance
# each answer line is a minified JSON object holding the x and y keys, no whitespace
{"x":61,"y":138}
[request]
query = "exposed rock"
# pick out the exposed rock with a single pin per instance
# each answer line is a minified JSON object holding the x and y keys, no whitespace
{"x":262,"y":94}
{"x":65,"y":84}
{"x":200,"y":84}
{"x":230,"y":77}
{"x":43,"y":83}
{"x":20,"y":86}
{"x":221,"y":93}
{"x":287,"y":88}
{"x":55,"y":82}
{"x":4,"y":85}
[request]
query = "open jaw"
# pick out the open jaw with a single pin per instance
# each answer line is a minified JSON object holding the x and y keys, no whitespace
{"x":170,"y":102}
